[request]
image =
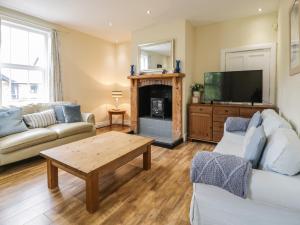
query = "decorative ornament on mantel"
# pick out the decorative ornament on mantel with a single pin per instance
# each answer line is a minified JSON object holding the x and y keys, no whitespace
{"x":177,"y":68}
{"x":131,"y":70}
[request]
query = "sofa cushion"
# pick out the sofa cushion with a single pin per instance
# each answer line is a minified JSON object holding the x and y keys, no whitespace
{"x":26,"y":139}
{"x":40,"y":119}
{"x":236,"y":124}
{"x":69,"y":129}
{"x":11,"y":122}
{"x":231,"y":145}
{"x":72,"y":113}
{"x":59,"y":113}
{"x":255,"y":121}
{"x":282,"y":152}
{"x":253,"y":145}
{"x":272,"y":122}
{"x":268,"y":112}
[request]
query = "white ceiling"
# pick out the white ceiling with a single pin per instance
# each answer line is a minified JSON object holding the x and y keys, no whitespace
{"x":93,"y":16}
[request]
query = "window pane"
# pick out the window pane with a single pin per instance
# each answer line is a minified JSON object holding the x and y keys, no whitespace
{"x":19,"y":76}
{"x":5,"y":44}
{"x":23,"y":86}
{"x":36,"y":49}
{"x":19,"y":46}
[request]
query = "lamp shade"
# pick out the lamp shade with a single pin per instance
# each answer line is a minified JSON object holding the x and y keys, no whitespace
{"x":117,"y":94}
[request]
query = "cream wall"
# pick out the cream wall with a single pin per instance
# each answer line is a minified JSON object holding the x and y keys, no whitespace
{"x":210,"y":39}
{"x":91,"y":68}
{"x":288,"y":94}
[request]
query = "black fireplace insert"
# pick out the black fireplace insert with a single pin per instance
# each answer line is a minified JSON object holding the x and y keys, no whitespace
{"x":155,"y":101}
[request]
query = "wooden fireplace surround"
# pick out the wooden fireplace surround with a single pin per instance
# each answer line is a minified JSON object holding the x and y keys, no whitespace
{"x":174,"y":80}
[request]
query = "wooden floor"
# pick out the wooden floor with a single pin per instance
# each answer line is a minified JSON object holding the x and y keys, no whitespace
{"x":128,"y":196}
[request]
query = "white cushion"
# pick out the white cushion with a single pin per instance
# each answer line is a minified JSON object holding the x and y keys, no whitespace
{"x":282,"y":152}
{"x":230,"y":145}
{"x":268,"y":112}
{"x":273,"y":122}
{"x":40,"y":119}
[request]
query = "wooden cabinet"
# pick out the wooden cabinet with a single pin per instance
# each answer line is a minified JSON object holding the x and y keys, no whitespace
{"x":206,"y":121}
{"x":200,"y":126}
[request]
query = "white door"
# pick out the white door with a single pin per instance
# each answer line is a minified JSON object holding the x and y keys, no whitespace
{"x":252,"y":60}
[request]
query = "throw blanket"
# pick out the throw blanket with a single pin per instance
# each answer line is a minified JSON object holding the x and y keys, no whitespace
{"x":229,"y":172}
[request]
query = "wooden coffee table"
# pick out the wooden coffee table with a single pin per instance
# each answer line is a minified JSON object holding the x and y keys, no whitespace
{"x":91,"y":157}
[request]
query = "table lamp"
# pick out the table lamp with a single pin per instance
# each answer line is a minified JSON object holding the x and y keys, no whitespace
{"x":116,"y":95}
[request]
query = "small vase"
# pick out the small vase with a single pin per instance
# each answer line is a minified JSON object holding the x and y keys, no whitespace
{"x":177,"y":68}
{"x":131,"y":70}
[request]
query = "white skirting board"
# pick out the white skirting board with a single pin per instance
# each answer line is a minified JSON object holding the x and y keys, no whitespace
{"x":106,"y":123}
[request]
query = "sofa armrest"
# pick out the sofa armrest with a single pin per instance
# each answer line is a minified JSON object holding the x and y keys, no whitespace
{"x":88,"y":117}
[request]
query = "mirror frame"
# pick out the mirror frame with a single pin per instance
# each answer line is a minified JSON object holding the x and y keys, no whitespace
{"x":155,"y":43}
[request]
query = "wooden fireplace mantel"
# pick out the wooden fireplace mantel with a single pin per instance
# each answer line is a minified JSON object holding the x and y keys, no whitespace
{"x":174,"y":80}
{"x":156,"y":76}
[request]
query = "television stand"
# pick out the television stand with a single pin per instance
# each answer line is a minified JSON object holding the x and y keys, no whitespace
{"x":206,"y":121}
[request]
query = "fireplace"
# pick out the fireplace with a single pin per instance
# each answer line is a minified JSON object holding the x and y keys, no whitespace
{"x":156,"y":107}
{"x":155,"y":101}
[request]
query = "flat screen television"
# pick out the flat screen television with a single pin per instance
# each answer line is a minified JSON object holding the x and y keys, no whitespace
{"x":237,"y":86}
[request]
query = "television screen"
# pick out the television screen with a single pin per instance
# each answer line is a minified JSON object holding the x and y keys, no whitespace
{"x":237,"y":86}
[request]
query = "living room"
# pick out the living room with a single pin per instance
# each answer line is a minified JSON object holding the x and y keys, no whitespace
{"x":150,"y":112}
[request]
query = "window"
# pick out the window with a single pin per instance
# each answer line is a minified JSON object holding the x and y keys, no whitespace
{"x":24,"y":64}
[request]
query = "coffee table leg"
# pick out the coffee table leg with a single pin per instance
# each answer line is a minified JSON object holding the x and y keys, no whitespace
{"x":52,"y":174}
{"x":147,"y":158}
{"x":92,"y":192}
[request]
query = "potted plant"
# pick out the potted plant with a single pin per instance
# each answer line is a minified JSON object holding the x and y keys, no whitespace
{"x":197,"y":89}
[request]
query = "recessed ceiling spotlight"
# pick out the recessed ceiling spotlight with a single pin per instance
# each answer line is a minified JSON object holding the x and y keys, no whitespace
{"x":110,"y":24}
{"x":260,"y":10}
{"x":148,"y":11}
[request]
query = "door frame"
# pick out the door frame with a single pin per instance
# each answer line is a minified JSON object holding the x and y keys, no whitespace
{"x":273,"y":50}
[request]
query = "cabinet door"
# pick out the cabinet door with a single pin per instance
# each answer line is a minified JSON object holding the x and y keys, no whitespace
{"x":200,"y":126}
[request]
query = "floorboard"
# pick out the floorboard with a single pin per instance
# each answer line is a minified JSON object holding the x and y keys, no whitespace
{"x":128,"y":196}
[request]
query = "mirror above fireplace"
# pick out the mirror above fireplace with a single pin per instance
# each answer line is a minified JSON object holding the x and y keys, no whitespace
{"x":156,"y":57}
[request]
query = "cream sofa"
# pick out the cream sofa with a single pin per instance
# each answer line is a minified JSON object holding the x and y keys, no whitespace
{"x":274,"y":199}
{"x":27,"y":144}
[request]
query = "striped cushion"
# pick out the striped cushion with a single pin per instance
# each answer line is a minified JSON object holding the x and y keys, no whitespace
{"x":40,"y":119}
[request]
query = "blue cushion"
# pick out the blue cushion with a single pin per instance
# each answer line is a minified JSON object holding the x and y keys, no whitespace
{"x":236,"y":124}
{"x":255,"y":121}
{"x":72,"y":113}
{"x":59,"y":113}
{"x":11,"y":122}
{"x":254,"y":143}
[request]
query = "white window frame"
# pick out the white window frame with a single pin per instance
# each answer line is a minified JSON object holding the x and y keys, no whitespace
{"x":26,"y":26}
